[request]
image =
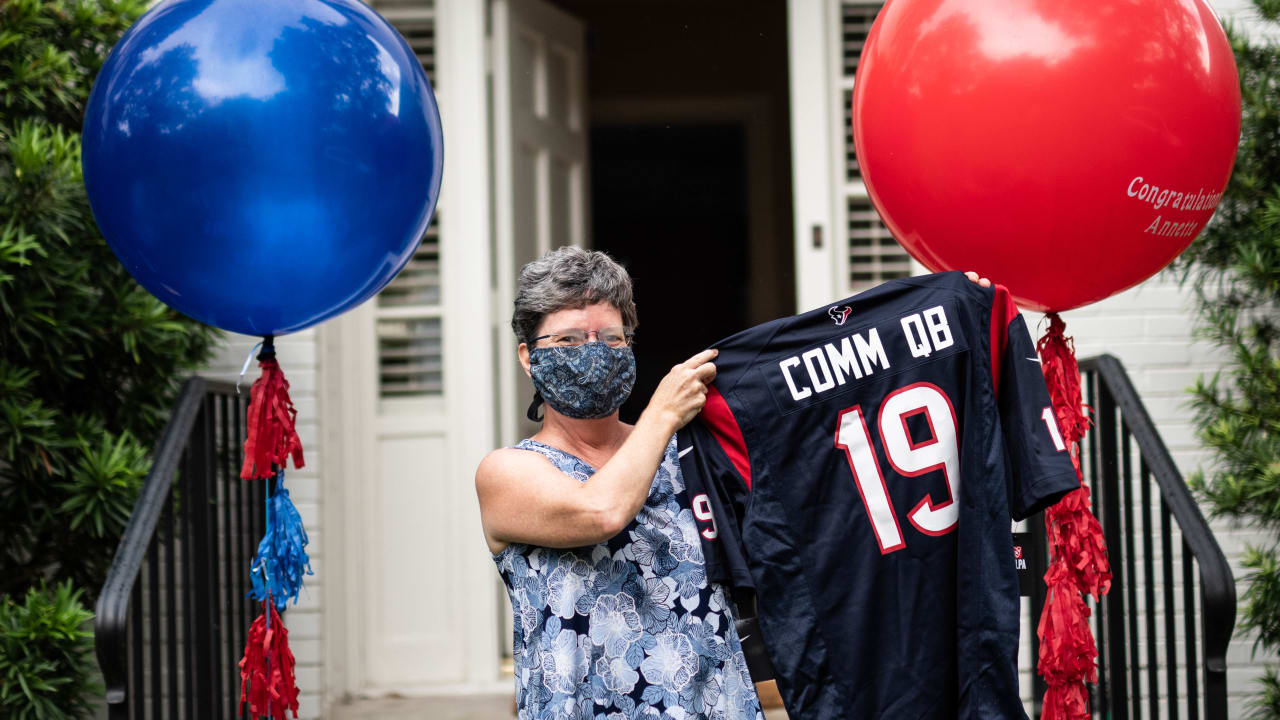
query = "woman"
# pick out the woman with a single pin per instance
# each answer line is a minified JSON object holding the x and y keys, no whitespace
{"x":614,"y":617}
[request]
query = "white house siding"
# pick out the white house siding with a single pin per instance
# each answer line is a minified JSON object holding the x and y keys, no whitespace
{"x":297,"y":356}
{"x":1246,"y":15}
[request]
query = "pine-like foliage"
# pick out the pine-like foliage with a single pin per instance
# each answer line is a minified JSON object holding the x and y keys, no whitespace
{"x":1235,"y":269}
{"x":89,"y":361}
{"x":44,"y":648}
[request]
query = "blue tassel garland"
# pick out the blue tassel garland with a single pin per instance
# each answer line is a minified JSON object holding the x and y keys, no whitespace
{"x":282,"y":561}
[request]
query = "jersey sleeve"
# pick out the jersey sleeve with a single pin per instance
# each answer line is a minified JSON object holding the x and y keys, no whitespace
{"x":1040,"y":469}
{"x":712,"y":459}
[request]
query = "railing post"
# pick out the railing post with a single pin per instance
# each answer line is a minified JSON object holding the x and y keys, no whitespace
{"x":1215,"y":687}
{"x":1106,"y":428}
{"x":112,"y":610}
{"x":112,"y":661}
{"x":205,"y":621}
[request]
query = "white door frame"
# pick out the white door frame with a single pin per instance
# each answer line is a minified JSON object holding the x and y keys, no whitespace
{"x":556,"y":34}
{"x":468,"y":296}
{"x":349,"y":394}
{"x":818,"y":129}
{"x":809,"y":28}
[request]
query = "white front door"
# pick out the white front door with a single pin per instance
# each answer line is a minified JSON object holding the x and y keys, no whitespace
{"x":420,"y":378}
{"x":540,"y":164}
{"x":421,"y":535}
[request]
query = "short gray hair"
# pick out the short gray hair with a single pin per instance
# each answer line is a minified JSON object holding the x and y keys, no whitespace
{"x":570,"y":277}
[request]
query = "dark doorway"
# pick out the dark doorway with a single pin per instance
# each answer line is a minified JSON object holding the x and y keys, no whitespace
{"x":690,"y":160}
{"x":670,"y":203}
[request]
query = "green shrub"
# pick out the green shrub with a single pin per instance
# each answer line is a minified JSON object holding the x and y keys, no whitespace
{"x":90,"y":363}
{"x":45,"y":671}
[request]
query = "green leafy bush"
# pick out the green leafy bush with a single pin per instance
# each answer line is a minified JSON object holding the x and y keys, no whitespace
{"x":45,"y":641}
{"x":90,"y":363}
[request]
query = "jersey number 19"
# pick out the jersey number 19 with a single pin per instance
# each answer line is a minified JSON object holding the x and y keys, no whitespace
{"x":907,"y":458}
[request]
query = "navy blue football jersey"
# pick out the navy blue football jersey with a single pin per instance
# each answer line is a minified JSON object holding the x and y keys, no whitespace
{"x":858,"y":467}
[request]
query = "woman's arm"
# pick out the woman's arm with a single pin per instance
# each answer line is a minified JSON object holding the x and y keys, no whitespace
{"x":525,"y":499}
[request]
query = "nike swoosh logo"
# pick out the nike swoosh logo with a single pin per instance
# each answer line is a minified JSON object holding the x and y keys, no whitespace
{"x":684,"y":452}
{"x":1034,"y":359}
{"x":743,"y":638}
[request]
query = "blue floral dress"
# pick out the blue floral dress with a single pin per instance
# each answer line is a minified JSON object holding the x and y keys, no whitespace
{"x":629,"y":628}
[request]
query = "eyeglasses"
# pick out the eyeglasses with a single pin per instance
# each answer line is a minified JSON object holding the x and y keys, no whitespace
{"x":614,"y":336}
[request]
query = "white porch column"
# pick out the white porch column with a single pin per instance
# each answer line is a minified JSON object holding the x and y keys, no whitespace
{"x":468,"y":358}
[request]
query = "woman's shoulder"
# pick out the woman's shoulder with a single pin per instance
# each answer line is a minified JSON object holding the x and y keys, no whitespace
{"x":509,"y":462}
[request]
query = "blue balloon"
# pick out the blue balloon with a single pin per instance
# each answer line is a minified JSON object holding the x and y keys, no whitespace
{"x":262,"y":165}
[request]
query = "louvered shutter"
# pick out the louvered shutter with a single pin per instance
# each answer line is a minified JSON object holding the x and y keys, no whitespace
{"x":871,"y":254}
{"x":410,"y":352}
{"x":416,"y":21}
{"x":409,"y":344}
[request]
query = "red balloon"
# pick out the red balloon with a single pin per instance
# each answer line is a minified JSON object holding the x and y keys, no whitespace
{"x":1068,"y":149}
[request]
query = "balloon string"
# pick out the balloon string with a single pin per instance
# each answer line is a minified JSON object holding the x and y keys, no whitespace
{"x":268,"y":346}
{"x":245,"y":368}
{"x":266,"y":491}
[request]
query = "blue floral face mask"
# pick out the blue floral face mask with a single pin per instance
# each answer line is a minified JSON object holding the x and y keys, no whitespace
{"x":586,"y":381}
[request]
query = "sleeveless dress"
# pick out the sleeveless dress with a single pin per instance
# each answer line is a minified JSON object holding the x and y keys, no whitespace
{"x":627,"y":629}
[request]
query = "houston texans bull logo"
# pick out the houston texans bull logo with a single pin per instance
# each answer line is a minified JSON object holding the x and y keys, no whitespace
{"x":840,"y":314}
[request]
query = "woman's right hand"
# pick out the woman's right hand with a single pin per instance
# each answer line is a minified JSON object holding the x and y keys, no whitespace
{"x":682,"y":393}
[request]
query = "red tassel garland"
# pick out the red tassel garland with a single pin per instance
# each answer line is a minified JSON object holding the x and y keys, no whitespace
{"x":267,"y":683}
{"x":1062,"y":376}
{"x":1078,"y":561}
{"x":272,"y":438}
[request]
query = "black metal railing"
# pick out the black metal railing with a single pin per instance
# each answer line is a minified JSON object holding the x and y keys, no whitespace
{"x":173,"y":615}
{"x":1162,"y":631}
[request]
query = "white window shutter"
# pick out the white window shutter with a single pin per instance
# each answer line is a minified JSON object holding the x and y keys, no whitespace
{"x":416,"y":21}
{"x":871,"y":255}
{"x":408,"y":310}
